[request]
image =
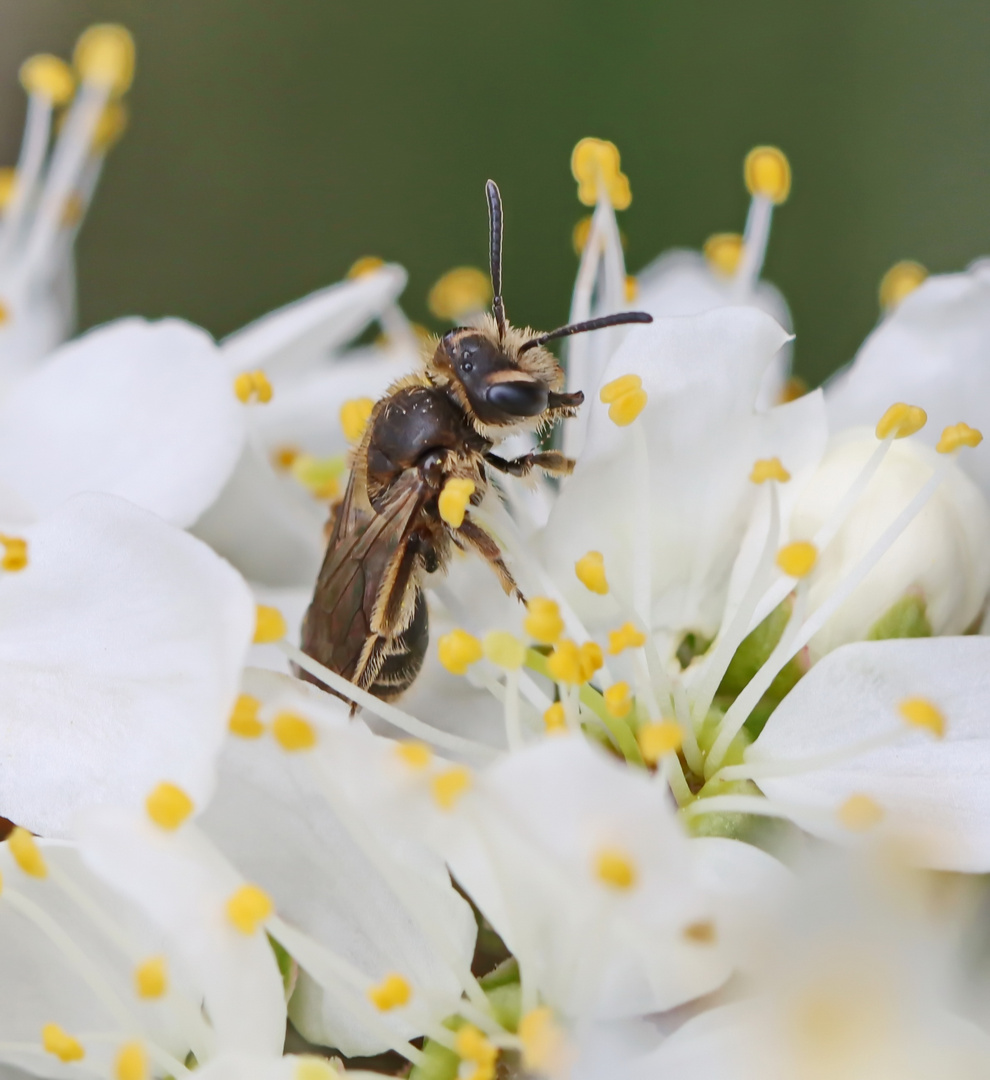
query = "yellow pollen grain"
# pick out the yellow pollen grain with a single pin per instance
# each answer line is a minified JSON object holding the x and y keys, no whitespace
{"x":414,"y":755}
{"x":615,"y":869}
{"x":252,"y":385}
{"x":26,"y":853}
{"x":367,"y":264}
{"x":168,"y":806}
{"x":656,"y":740}
{"x":269,"y":625}
{"x":618,"y":700}
{"x":700,"y":933}
{"x":454,"y":500}
{"x":504,"y":649}
{"x":591,"y":659}
{"x":48,"y":76}
{"x":595,"y":167}
{"x":922,"y":713}
{"x":555,"y":719}
{"x":900,"y":280}
{"x":768,"y":173}
{"x":61,"y":1044}
{"x":564,"y":663}
{"x":131,"y":1063}
{"x":769,"y":469}
{"x":354,"y":417}
{"x":543,"y":622}
{"x":448,"y":787}
{"x":626,"y":637}
{"x":104,"y":54}
{"x":957,"y":435}
{"x":8,"y":181}
{"x":631,"y":289}
{"x":244,"y":721}
{"x":391,"y":993}
{"x":580,"y":234}
{"x":15,"y":553}
{"x":901,"y":420}
{"x":590,"y":570}
{"x":248,"y":908}
{"x":859,"y":813}
{"x":797,"y":559}
{"x":151,"y":978}
{"x":461,"y":291}
{"x":293,"y":732}
{"x":458,"y":650}
{"x":723,"y":252}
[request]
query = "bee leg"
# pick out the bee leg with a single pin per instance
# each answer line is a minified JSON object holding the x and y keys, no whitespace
{"x":479,"y":541}
{"x":550,"y":461}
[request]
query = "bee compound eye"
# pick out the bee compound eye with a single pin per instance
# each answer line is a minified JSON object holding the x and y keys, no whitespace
{"x":518,"y":398}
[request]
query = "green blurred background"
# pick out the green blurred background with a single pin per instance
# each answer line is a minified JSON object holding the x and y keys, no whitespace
{"x":272,"y":143}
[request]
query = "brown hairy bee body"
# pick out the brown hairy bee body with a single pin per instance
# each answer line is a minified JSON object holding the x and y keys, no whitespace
{"x":368,"y":619}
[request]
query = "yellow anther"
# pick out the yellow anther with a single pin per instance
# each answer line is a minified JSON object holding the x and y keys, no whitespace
{"x":458,"y":650}
{"x":632,"y":288}
{"x":595,"y":166}
{"x":311,"y":1067}
{"x":461,"y":291}
{"x":168,"y":806}
{"x":769,"y":469}
{"x":61,"y":1044}
{"x":618,"y":388}
{"x":392,"y":992}
{"x":656,"y":740}
{"x":615,"y":868}
{"x":555,"y":719}
{"x":293,"y":732}
{"x":415,"y":755}
{"x":110,"y":127}
{"x":564,"y":663}
{"x":901,"y":420}
{"x":768,"y":173}
{"x":454,"y":500}
{"x":580,"y":234}
{"x":321,"y":476}
{"x":590,"y":570}
{"x":48,"y":76}
{"x":450,"y":785}
{"x":899,"y":281}
{"x":591,"y":659}
{"x":284,"y":457}
{"x":354,"y":417}
{"x":723,"y":252}
{"x":472,"y":1046}
{"x":702,"y":932}
{"x":104,"y":55}
{"x":244,"y":721}
{"x":859,"y":813}
{"x":798,"y":559}
{"x":367,"y":264}
{"x":8,"y":181}
{"x":626,"y":637}
{"x":151,"y":978}
{"x":542,"y":1042}
{"x":248,"y":908}
{"x":253,"y":385}
{"x":26,"y":853}
{"x":15,"y":553}
{"x":618,"y":700}
{"x":625,"y":398}
{"x":922,"y":713}
{"x":269,"y":625}
{"x":504,"y":649}
{"x":132,"y":1062}
{"x":957,"y":435}
{"x":543,"y":621}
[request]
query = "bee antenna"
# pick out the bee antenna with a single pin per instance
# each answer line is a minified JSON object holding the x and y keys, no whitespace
{"x":583,"y":327}
{"x":495,"y":254}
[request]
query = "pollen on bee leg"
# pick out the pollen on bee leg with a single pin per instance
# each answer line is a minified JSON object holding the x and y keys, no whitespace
{"x":901,"y":420}
{"x":454,"y":500}
{"x":253,"y":385}
{"x":625,"y":398}
{"x":168,"y":806}
{"x":248,"y":908}
{"x":61,"y":1044}
{"x":615,"y":868}
{"x":448,"y":787}
{"x":859,"y":813}
{"x":900,"y":280}
{"x":131,"y":1063}
{"x":921,"y":713}
{"x":769,"y":469}
{"x":723,"y":252}
{"x":797,"y":559}
{"x":590,"y":570}
{"x":354,"y":417}
{"x":26,"y":853}
{"x":543,"y":622}
{"x":244,"y":720}
{"x":626,"y":637}
{"x":15,"y":554}
{"x":269,"y":625}
{"x":391,"y":993}
{"x":458,"y":650}
{"x":956,"y":436}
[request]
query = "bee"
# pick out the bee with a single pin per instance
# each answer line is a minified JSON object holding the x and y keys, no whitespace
{"x":368,"y":619}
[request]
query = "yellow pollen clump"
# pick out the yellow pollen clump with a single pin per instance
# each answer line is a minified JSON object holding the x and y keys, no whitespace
{"x":591,"y":658}
{"x":700,"y":933}
{"x":26,"y":853}
{"x":458,"y":650}
{"x":269,"y":625}
{"x":922,"y":713}
{"x":244,"y":721}
{"x":618,"y":700}
{"x":595,"y":166}
{"x":415,"y":755}
{"x":768,"y":173}
{"x":151,"y":978}
{"x":292,"y":732}
{"x":632,"y":288}
{"x":253,"y":385}
{"x":769,"y":469}
{"x":723,"y":252}
{"x":354,"y":417}
{"x":626,"y":637}
{"x":564,"y":663}
{"x":104,"y":55}
{"x":61,"y":1044}
{"x":367,"y":264}
{"x":590,"y":570}
{"x":656,"y":740}
{"x":168,"y":806}
{"x":472,"y":1046}
{"x":450,"y":785}
{"x":321,"y":476}
{"x":580,"y":234}
{"x":543,"y":621}
{"x":248,"y":908}
{"x":859,"y":813}
{"x":542,"y":1042}
{"x":390,"y":993}
{"x":15,"y":556}
{"x":615,"y":869}
{"x":132,"y":1062}
{"x":899,"y":281}
{"x":798,"y":559}
{"x":901,"y":420}
{"x":625,"y":398}
{"x":8,"y":181}
{"x":555,"y":719}
{"x":48,"y":76}
{"x":454,"y":500}
{"x":110,"y":127}
{"x":957,"y":435}
{"x":461,"y":291}
{"x":504,"y":649}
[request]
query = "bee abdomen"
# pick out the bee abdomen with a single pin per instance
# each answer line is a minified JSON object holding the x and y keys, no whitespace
{"x":405,"y":656}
